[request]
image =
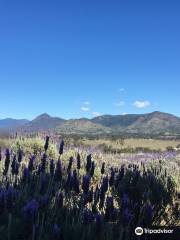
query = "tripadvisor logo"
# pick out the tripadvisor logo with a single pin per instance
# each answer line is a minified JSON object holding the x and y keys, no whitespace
{"x":139,"y":231}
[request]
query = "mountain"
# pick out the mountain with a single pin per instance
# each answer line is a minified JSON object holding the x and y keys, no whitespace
{"x":116,"y":120}
{"x":42,"y":123}
{"x":10,"y":123}
{"x":150,"y":123}
{"x":82,"y":126}
{"x":155,"y":123}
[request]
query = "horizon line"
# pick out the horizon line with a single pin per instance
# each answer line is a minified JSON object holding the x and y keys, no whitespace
{"x":106,"y":114}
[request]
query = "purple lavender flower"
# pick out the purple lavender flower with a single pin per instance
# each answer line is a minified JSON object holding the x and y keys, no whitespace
{"x":43,"y":163}
{"x":26,"y":174}
{"x":75,"y":182}
{"x":53,"y":189}
{"x":58,"y":171}
{"x":46,"y":143}
{"x":90,"y":195}
{"x":136,"y":177}
{"x":43,"y":202}
{"x":31,"y":163}
{"x":109,"y":213}
{"x":39,"y":169}
{"x":20,"y":155}
{"x":52,"y":167}
{"x":102,"y":199}
{"x":99,"y":219}
{"x":119,"y":176}
{"x":104,"y":185}
{"x":103,"y":168}
{"x":13,"y":165}
{"x":61,"y":148}
{"x":16,"y":169}
{"x":70,"y":164}
{"x":125,"y":200}
{"x":112,"y":178}
{"x":43,"y":183}
{"x":88,"y":164}
{"x":103,"y":190}
{"x":92,"y":169}
{"x":110,"y":202}
{"x":7,"y":161}
{"x":78,"y":161}
{"x":69,"y":182}
{"x":30,"y":211}
{"x":96,"y":195}
{"x":145,"y":195}
{"x":86,"y":184}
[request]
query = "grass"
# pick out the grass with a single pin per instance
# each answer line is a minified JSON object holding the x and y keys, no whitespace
{"x":152,"y":144}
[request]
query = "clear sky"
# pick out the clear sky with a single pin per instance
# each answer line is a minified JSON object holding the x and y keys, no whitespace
{"x":83,"y":58}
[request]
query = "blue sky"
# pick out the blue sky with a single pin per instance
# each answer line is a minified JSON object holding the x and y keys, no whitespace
{"x":83,"y":58}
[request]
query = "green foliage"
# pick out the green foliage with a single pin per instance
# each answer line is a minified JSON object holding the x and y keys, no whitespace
{"x":34,"y":146}
{"x":170,"y":148}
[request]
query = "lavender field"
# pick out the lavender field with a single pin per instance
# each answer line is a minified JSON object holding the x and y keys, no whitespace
{"x":89,"y":120}
{"x":50,"y":190}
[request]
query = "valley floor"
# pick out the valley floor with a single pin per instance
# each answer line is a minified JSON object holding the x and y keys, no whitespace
{"x":152,"y":144}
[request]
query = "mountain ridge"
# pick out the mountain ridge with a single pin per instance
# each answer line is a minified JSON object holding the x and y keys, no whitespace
{"x":8,"y":123}
{"x":148,"y":123}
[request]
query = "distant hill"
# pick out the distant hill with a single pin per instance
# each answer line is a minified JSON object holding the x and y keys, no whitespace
{"x":43,"y":122}
{"x":10,"y":123}
{"x":131,"y":124}
{"x":82,"y":126}
{"x":150,"y":123}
